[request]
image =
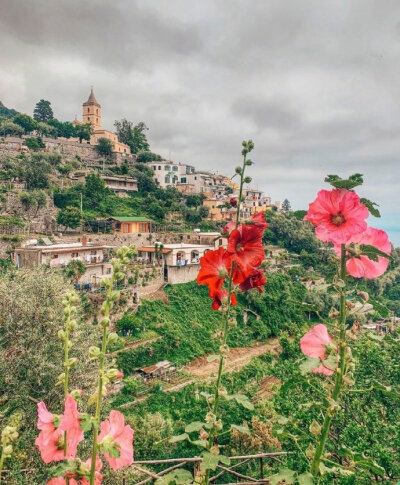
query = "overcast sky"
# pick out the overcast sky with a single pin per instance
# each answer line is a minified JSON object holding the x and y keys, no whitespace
{"x":315,"y":84}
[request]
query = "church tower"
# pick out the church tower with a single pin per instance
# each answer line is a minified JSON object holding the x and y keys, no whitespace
{"x":92,"y":112}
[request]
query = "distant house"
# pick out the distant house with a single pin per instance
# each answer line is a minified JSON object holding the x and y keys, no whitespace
{"x":130,"y":224}
{"x":161,"y":370}
{"x":181,"y":261}
{"x":95,"y":257}
{"x":119,"y":184}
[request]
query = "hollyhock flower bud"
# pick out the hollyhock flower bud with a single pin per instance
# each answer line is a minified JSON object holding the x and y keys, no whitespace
{"x":203,"y":435}
{"x":214,"y":450}
{"x":315,"y":428}
{"x":224,"y":349}
{"x":233,"y":202}
{"x":94,"y":352}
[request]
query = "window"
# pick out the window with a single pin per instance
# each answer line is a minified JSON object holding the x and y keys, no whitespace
{"x":167,"y":168}
{"x":175,"y":168}
{"x":167,"y":179}
{"x":97,"y":120}
{"x":54,"y":256}
{"x":97,"y":111}
{"x":74,"y":255}
{"x":88,"y":110}
{"x":183,"y":180}
{"x":108,"y":270}
{"x":154,"y":167}
{"x":174,"y":179}
{"x":93,"y":253}
{"x":159,"y":167}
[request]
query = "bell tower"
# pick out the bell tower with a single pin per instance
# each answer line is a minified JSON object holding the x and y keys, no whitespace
{"x":91,"y":112}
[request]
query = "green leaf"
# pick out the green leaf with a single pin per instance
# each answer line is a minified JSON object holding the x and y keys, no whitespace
{"x":285,"y":474}
{"x":213,"y":357}
{"x":305,"y":479}
{"x":224,"y":459}
{"x":209,"y":462}
{"x":176,"y":477}
{"x":371,"y":206}
{"x":243,"y":400}
{"x":372,"y":252}
{"x":331,"y":362}
{"x":195,"y":426}
{"x":308,"y":365}
{"x":180,"y":437}
{"x":282,"y":420}
{"x":241,"y":429}
{"x":339,"y":183}
{"x":201,"y":443}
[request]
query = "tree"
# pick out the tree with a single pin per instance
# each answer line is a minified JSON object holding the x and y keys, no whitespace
{"x":27,"y":123}
{"x":286,"y":205}
{"x":10,"y":128}
{"x":35,"y":143}
{"x":84,"y":132}
{"x":204,"y":211}
{"x":44,"y":129}
{"x":146,"y":157}
{"x":74,"y":270}
{"x":193,"y":201}
{"x":104,"y":147}
{"x":36,"y":172}
{"x":33,"y":199}
{"x":133,"y":136}
{"x":69,"y":217}
{"x":95,"y":190}
{"x":43,"y":111}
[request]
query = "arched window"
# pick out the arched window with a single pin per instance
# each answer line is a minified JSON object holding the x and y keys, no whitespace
{"x":175,"y":168}
{"x":181,"y":258}
{"x":167,"y":168}
{"x":88,"y":110}
{"x":194,"y":257}
{"x":97,"y":111}
{"x":167,"y":179}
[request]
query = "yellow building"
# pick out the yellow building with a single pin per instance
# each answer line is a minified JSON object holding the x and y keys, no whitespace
{"x":130,"y":225}
{"x":91,"y":113}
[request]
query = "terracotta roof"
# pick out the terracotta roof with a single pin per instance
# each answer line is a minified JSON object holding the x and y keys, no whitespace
{"x":92,"y":99}
{"x":152,"y":249}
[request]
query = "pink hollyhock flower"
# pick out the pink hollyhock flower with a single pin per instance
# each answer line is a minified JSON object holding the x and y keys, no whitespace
{"x":338,"y":215}
{"x":313,"y":344}
{"x":114,"y":432}
{"x":362,"y":266}
{"x":51,"y":437}
{"x":120,"y":375}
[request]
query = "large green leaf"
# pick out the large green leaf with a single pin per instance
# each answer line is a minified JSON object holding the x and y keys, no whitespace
{"x":176,"y":477}
{"x":180,"y":437}
{"x":210,"y":461}
{"x":371,"y":206}
{"x":285,"y":474}
{"x":339,"y":183}
{"x":308,"y":365}
{"x":195,"y":426}
{"x":306,"y":479}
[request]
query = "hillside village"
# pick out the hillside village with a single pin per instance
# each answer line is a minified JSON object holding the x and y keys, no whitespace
{"x":46,"y":241}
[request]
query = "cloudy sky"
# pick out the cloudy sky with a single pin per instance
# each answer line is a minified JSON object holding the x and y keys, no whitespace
{"x":315,"y":83}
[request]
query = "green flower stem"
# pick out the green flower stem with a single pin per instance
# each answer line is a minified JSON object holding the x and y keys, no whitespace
{"x":2,"y":458}
{"x":66,"y":378}
{"x":225,"y":325}
{"x":339,"y":371}
{"x":100,"y":390}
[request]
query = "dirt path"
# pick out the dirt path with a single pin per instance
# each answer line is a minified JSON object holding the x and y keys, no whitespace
{"x":237,"y":358}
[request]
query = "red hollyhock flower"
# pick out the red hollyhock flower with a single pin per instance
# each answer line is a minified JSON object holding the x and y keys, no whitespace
{"x":338,"y":215}
{"x":255,"y":280}
{"x":214,"y":268}
{"x":258,"y":219}
{"x":218,"y":296}
{"x":245,"y":247}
